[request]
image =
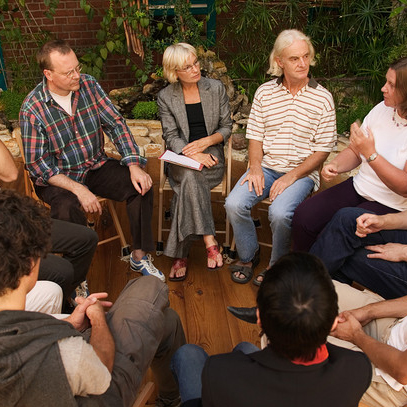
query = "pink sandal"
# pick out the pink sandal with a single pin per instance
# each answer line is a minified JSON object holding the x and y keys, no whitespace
{"x":213,"y":253}
{"x":179,"y":264}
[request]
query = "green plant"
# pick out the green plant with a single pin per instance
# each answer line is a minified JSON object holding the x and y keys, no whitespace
{"x":145,"y":110}
{"x":349,"y":111}
{"x":10,"y":103}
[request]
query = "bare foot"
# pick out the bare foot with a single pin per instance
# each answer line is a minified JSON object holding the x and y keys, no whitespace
{"x":179,"y":268}
{"x":237,"y":274}
{"x":215,"y":259}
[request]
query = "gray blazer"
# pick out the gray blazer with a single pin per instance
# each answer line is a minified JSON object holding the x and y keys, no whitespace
{"x":173,"y":114}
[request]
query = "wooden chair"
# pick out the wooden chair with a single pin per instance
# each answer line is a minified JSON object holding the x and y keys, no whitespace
{"x":223,"y":188}
{"x":144,"y":395}
{"x":30,"y":191}
{"x":263,"y":205}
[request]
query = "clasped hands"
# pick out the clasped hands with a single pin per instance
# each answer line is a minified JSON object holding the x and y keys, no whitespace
{"x":88,"y":311}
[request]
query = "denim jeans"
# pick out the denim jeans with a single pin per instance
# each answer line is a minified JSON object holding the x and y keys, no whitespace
{"x":187,"y":365}
{"x":345,"y":256}
{"x":240,"y":202}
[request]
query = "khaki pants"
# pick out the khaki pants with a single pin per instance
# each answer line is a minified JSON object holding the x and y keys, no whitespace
{"x":379,"y":393}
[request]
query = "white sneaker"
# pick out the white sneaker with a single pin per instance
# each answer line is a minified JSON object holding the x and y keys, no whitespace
{"x":146,"y":267}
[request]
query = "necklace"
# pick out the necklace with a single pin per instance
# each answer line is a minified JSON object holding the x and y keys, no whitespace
{"x":399,"y":121}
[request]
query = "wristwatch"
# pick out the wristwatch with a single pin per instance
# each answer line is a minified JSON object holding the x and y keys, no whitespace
{"x":372,"y":157}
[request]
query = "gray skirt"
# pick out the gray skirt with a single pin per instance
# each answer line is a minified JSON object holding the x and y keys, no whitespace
{"x":191,"y":209}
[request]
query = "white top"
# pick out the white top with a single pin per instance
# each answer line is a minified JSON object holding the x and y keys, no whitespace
{"x":64,"y":101}
{"x":391,"y":144}
{"x":397,"y":339}
{"x":85,"y":371}
{"x":292,"y":127}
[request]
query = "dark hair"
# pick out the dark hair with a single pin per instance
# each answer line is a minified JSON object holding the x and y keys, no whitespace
{"x":298,"y":304}
{"x":25,"y":236}
{"x":43,"y":54}
{"x":400,"y":66}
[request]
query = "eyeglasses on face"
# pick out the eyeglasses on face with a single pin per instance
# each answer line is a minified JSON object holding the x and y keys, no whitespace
{"x":189,"y":68}
{"x":71,"y":73}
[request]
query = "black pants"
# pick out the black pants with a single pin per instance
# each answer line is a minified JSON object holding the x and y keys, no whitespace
{"x":77,"y":244}
{"x":111,"y":181}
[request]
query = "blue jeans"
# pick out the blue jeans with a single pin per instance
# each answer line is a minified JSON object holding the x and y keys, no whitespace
{"x":280,"y":213}
{"x":345,"y":256}
{"x":187,"y":365}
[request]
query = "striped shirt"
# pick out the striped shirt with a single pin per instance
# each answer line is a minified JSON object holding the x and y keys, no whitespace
{"x":292,"y":128}
{"x":58,"y":143}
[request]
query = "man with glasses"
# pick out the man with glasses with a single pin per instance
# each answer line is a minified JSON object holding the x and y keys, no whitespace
{"x":63,"y":121}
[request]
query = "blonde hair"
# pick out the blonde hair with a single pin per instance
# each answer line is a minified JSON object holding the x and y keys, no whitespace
{"x":174,"y":58}
{"x":284,"y":40}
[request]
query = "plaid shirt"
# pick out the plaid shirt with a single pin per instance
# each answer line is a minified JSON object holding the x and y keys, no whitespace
{"x":57,"y":143}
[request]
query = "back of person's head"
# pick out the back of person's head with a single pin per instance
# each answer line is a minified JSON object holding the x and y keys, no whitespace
{"x":43,"y":55}
{"x":174,"y":58}
{"x":25,"y":236}
{"x":285,"y":39}
{"x":400,"y":66}
{"x":298,"y":305}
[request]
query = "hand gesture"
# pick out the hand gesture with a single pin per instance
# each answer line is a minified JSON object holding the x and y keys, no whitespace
{"x":142,"y":182}
{"x":368,"y":223}
{"x":329,"y":171}
{"x":394,"y":252}
{"x":79,"y":318}
{"x":196,"y":147}
{"x":255,"y":179}
{"x":280,"y":184}
{"x":347,"y":328}
{"x":360,"y":142}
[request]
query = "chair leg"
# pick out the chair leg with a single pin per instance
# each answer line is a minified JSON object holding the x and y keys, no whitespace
{"x":125,"y":246}
{"x":144,"y":395}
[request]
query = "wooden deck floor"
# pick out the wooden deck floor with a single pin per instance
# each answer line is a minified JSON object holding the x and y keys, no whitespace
{"x":202,"y":298}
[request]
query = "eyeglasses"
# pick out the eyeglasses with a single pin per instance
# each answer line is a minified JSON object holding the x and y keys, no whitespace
{"x":71,"y":73}
{"x":189,"y":68}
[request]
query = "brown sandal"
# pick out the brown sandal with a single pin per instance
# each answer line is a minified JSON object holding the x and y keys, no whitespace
{"x":179,"y":264}
{"x":213,"y":253}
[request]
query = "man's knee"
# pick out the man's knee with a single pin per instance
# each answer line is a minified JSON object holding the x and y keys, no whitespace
{"x":346,"y":217}
{"x":66,"y":206}
{"x":235,"y":207}
{"x":278,"y":214}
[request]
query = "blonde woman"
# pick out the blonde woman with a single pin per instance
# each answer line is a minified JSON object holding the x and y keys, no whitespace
{"x":195,"y":117}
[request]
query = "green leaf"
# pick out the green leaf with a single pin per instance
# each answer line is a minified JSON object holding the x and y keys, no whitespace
{"x":119,"y":21}
{"x":169,"y":29}
{"x":396,"y":11}
{"x":103,"y":53}
{"x":128,"y":62}
{"x":99,"y":63}
{"x":110,"y":45}
{"x":160,"y":26}
{"x":86,"y":8}
{"x":101,"y":35}
{"x":144,"y":78}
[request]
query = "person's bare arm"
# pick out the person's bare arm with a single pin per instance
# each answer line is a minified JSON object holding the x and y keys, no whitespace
{"x":345,"y":161}
{"x":87,"y":199}
{"x":255,"y":176}
{"x":8,"y":169}
{"x":394,"y":178}
{"x":310,"y":164}
{"x":385,"y":357}
{"x":101,"y":338}
{"x":371,"y":223}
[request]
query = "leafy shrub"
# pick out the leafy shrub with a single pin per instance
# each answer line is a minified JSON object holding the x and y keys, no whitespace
{"x":349,"y":111}
{"x":145,"y":110}
{"x":10,"y":103}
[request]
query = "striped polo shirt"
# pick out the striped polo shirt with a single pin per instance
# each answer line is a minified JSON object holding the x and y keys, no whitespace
{"x":292,"y":128}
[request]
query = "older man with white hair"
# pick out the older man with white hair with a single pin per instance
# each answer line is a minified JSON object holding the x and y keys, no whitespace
{"x":291,"y":131}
